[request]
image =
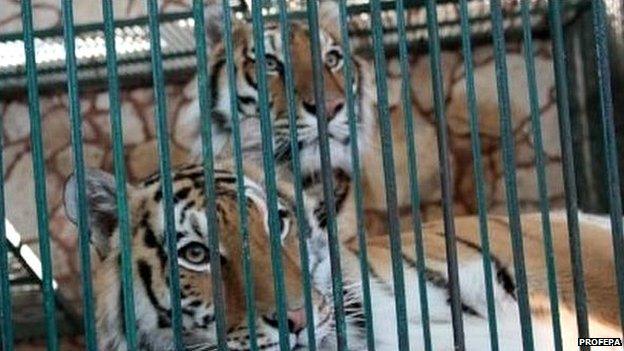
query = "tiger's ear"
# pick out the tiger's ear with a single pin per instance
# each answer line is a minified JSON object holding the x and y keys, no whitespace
{"x":101,"y":206}
{"x":213,"y":22}
{"x":329,"y":18}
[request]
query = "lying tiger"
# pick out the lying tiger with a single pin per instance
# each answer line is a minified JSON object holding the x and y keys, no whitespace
{"x":149,"y":257}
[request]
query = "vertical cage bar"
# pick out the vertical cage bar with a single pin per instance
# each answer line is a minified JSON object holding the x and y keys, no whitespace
{"x":79,"y":169}
{"x":39,"y":178}
{"x":406,"y":100}
{"x":327,"y":175}
{"x":125,"y":240}
{"x":610,"y":146}
{"x":542,"y":185}
{"x":269,"y":171}
{"x":479,"y":178}
{"x":162,"y":133}
{"x":240,"y":178}
{"x":588,"y":169}
{"x":582,"y":91}
{"x":569,"y":180}
{"x":509,"y":164}
{"x":205,"y":108}
{"x":445,"y":174}
{"x":302,"y":223}
{"x":6,"y":326}
{"x":389,"y":175}
{"x":357,"y":177}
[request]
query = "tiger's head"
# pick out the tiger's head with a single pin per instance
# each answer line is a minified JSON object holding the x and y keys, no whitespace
{"x":150,"y":256}
{"x":334,"y":89}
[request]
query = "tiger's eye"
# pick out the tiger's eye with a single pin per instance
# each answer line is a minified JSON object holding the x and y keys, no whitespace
{"x":333,"y":59}
{"x":272,"y":64}
{"x":195,"y":253}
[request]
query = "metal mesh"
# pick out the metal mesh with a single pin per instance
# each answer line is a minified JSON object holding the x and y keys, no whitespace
{"x":150,"y":48}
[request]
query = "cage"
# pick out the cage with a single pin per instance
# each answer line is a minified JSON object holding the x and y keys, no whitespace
{"x":499,"y":108}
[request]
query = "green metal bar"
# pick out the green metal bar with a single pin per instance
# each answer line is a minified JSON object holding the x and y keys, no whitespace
{"x":445,"y":175}
{"x":240,"y":177}
{"x":40,"y":179}
{"x":356,"y":175}
{"x":569,"y":179}
{"x":592,"y":165}
{"x":79,"y":169}
{"x":304,"y":228}
{"x":205,"y":108}
{"x":389,"y":175}
{"x":327,"y":175}
{"x":406,"y":100}
{"x":610,"y":146}
{"x":162,"y":133}
{"x":6,"y":326}
{"x":269,"y":179}
{"x":125,"y":239}
{"x":542,"y":185}
{"x":477,"y":165}
{"x":509,"y":164}
{"x":581,"y":90}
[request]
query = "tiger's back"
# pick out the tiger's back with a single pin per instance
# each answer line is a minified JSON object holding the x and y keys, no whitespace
{"x":599,"y":268}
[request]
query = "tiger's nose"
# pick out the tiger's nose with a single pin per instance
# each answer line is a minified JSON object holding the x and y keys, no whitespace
{"x":333,"y":107}
{"x":296,"y":320}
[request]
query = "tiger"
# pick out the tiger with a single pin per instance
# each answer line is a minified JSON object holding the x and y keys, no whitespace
{"x":334,"y":90}
{"x":599,"y":272}
{"x":150,"y":258}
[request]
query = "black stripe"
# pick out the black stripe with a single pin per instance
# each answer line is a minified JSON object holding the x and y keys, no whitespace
{"x":164,"y":321}
{"x":208,"y":319}
{"x":150,"y":240}
{"x":283,"y":151}
{"x":433,"y":277}
{"x":246,"y":99}
{"x":438,"y":280}
{"x":502,"y":274}
{"x":240,"y":110}
{"x":181,"y":194}
{"x":196,"y":175}
{"x":145,"y":273}
{"x":354,"y":309}
{"x":196,"y":229}
{"x":122,"y":308}
{"x":195,"y":303}
{"x":185,"y":210}
{"x":220,"y":121}
{"x":151,"y":179}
